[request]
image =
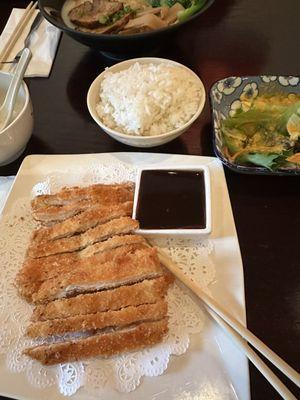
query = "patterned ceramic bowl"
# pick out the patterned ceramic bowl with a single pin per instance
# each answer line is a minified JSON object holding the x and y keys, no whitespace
{"x":227,"y":96}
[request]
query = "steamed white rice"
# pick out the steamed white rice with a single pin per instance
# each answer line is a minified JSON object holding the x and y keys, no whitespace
{"x":148,"y":99}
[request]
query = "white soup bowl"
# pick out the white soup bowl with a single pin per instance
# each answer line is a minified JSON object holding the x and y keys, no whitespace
{"x":15,"y":136}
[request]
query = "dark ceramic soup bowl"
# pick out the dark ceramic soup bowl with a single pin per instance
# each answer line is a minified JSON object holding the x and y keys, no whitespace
{"x":120,"y":46}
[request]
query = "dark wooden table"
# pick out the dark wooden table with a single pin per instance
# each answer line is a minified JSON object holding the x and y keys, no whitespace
{"x":234,"y":37}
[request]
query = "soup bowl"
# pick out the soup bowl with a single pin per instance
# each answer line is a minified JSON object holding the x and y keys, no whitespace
{"x":15,"y":136}
{"x":115,"y":45}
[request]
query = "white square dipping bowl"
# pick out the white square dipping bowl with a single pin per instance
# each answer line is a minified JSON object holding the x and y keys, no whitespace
{"x":178,"y":232}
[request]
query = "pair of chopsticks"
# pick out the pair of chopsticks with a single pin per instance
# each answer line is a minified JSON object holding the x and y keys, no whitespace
{"x":238,"y":333}
{"x":29,"y":10}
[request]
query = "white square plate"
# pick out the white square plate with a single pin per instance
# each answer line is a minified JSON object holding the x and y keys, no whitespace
{"x":212,"y":368}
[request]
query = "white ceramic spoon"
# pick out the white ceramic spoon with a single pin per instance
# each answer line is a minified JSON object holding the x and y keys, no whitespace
{"x":6,"y":109}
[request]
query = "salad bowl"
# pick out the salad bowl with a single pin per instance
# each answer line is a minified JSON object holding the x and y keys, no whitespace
{"x":231,"y":96}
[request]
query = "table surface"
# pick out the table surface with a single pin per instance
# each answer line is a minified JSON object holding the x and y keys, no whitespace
{"x":234,"y":37}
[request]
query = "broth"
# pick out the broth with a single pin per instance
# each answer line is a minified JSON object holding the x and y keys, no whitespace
{"x":126,"y":17}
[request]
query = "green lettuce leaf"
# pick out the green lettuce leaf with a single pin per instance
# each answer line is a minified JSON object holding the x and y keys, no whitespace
{"x":260,"y":159}
{"x":234,"y":139}
{"x":270,"y":161}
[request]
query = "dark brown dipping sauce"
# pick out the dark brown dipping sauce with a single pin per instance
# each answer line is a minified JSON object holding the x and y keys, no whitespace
{"x":171,"y":199}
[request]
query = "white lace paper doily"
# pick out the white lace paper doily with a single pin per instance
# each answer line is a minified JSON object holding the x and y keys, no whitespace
{"x":123,"y":373}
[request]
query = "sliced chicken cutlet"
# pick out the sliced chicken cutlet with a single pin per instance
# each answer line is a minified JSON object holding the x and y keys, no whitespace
{"x":35,"y":270}
{"x":82,"y":222}
{"x":99,"y":320}
{"x":145,"y":292}
{"x":103,"y":344}
{"x":111,"y":243}
{"x":118,"y":226}
{"x":73,"y":194}
{"x":51,"y":213}
{"x":49,"y":271}
{"x":91,"y":277}
{"x":32,"y":267}
{"x":132,"y":268}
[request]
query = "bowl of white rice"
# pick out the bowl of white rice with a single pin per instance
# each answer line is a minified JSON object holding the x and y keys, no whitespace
{"x":146,"y":102}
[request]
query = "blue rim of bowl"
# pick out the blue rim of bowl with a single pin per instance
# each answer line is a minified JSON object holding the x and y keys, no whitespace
{"x":169,"y":28}
{"x":247,"y":170}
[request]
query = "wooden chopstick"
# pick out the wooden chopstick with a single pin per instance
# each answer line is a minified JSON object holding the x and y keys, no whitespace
{"x":253,"y":357}
{"x":230,"y":320}
{"x":29,"y":10}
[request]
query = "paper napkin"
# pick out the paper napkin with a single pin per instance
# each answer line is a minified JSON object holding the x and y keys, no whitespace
{"x":43,"y":44}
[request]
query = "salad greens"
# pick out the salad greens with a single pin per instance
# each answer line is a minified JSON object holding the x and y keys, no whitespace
{"x":262,"y":135}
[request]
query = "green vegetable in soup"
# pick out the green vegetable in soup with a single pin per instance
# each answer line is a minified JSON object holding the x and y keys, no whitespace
{"x":170,"y":3}
{"x":195,"y":6}
{"x":108,"y":20}
{"x":118,"y":15}
{"x":191,"y":6}
{"x":104,"y":19}
{"x":155,"y":3}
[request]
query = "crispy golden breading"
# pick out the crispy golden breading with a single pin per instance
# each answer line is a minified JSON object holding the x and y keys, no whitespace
{"x":53,"y":214}
{"x":123,"y":225}
{"x":71,"y":194}
{"x":82,"y":222}
{"x":38,"y":272}
{"x":105,"y":344}
{"x":111,"y":243}
{"x":32,"y":266}
{"x":145,"y":292}
{"x":131,"y":268}
{"x":91,"y":278}
{"x":99,"y":320}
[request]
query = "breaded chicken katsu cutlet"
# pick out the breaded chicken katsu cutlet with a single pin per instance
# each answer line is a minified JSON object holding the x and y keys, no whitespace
{"x":91,"y":277}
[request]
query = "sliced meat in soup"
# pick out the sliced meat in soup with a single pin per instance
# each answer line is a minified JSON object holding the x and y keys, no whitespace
{"x":89,"y":14}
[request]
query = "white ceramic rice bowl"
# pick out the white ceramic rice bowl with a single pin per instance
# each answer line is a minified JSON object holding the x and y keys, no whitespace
{"x":139,"y":141}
